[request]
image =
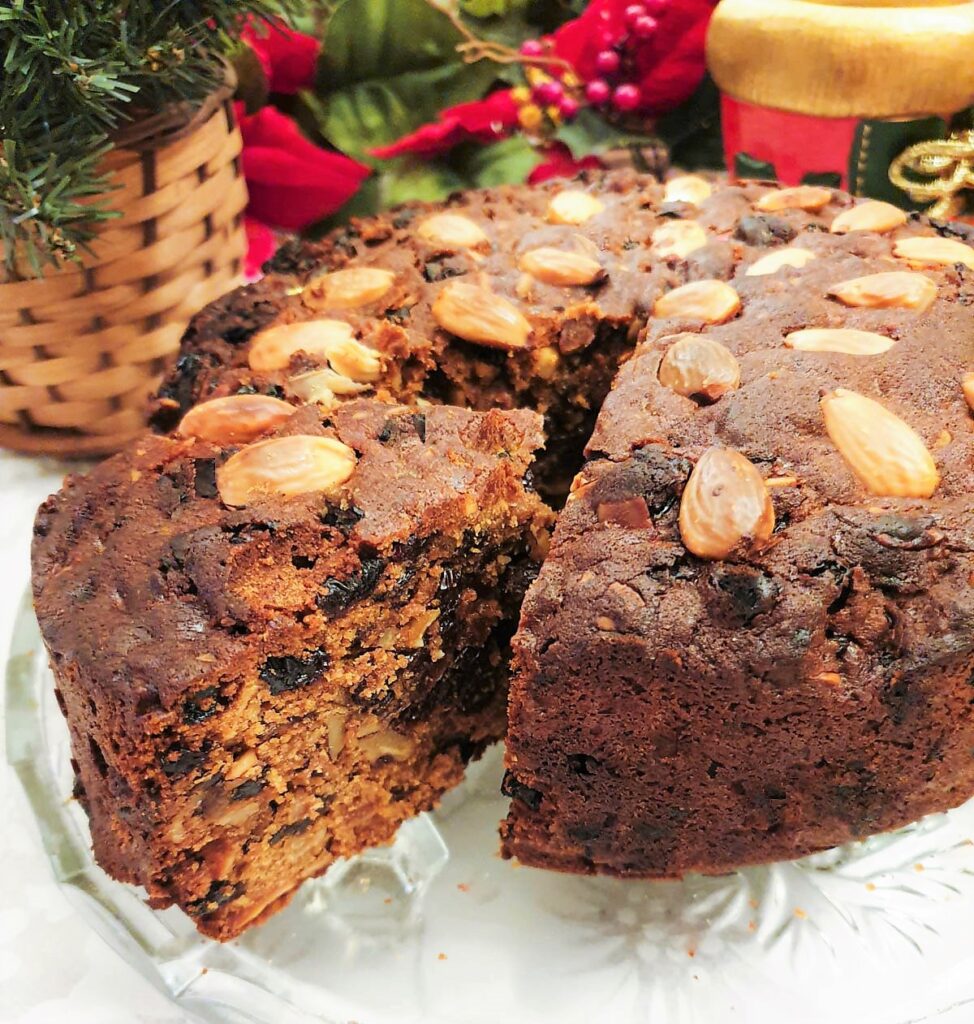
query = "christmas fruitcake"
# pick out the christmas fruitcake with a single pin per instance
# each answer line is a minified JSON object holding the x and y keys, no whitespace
{"x":277,"y":636}
{"x":753,"y":636}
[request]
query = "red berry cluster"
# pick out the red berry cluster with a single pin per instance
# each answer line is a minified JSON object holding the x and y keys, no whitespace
{"x":549,"y":91}
{"x":614,"y":62}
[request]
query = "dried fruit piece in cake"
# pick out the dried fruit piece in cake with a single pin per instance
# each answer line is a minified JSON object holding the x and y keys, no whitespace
{"x":272,"y":652}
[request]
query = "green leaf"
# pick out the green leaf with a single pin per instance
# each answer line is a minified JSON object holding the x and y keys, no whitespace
{"x":387,"y":67}
{"x":589,"y":133}
{"x":491,"y":8}
{"x":400,"y":181}
{"x":501,"y":163}
{"x":692,"y":130}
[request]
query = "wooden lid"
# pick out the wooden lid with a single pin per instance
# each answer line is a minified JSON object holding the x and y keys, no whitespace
{"x":846,"y":58}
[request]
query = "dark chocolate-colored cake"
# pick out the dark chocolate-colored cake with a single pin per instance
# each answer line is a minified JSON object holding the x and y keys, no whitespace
{"x":752,"y":637}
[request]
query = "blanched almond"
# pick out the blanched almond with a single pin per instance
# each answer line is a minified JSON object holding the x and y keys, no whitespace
{"x":573,"y":207}
{"x":284,"y":465}
{"x":710,"y":301}
{"x":348,"y":288}
{"x":777,"y":259}
{"x":687,"y":188}
{"x":846,"y":340}
{"x":872,"y":215}
{"x":273,"y":348}
{"x":235,"y":419}
{"x":900,"y":289}
{"x":694,"y":365}
{"x":452,"y":231}
{"x":967,"y":386}
{"x":354,"y":360}
{"x":558,"y":267}
{"x":801,"y":197}
{"x":678,"y":238}
{"x":477,"y":314}
{"x":934,"y":252}
{"x":322,"y":387}
{"x":882,"y":450}
{"x":726,"y":505}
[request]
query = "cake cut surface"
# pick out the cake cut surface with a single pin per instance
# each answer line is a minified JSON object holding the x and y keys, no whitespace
{"x":272,"y":654}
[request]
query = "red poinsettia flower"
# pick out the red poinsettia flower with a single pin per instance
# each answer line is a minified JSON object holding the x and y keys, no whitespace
{"x":288,"y":58}
{"x":485,"y":120}
{"x":669,"y":63}
{"x":292,"y":182}
{"x":558,"y":162}
{"x":261,"y":246}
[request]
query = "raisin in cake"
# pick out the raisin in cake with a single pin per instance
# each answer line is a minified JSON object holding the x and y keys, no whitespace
{"x":278,"y":637}
{"x":753,"y":637}
{"x":505,"y":298}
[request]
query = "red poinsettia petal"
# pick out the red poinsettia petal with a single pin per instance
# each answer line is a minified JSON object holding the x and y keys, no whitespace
{"x":292,"y":182}
{"x":670,"y":64}
{"x":558,"y":162}
{"x":261,"y":246}
{"x":287,"y":57}
{"x":483,"y":120}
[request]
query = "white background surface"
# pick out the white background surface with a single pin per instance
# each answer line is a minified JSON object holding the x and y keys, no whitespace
{"x":53,"y":969}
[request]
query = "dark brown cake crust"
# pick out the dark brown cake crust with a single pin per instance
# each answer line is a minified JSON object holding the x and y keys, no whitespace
{"x":672,"y":713}
{"x":580,"y":332}
{"x":254,"y":692}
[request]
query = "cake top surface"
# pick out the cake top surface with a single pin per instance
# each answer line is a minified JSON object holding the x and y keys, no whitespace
{"x":161,"y":565}
{"x":503,"y":273}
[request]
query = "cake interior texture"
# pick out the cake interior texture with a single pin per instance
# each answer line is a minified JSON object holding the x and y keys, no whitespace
{"x":255,"y":692}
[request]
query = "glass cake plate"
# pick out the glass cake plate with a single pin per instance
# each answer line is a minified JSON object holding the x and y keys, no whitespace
{"x":437,"y":929}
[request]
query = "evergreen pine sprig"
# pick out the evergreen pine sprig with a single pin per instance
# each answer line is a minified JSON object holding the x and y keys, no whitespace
{"x":75,"y":70}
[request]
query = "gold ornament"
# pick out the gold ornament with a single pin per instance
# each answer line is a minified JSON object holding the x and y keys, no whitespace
{"x":948,"y":166}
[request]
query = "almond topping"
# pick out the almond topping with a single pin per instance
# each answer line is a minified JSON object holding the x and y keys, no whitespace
{"x":896,"y":288}
{"x":883,"y":451}
{"x":235,"y":419}
{"x":346,"y":289}
{"x":934,"y":251}
{"x":452,"y":231}
{"x":557,"y":267}
{"x":725,"y":506}
{"x":678,"y":238}
{"x":846,"y":340}
{"x":710,"y":301}
{"x":573,"y":207}
{"x":354,"y":360}
{"x":697,"y":366}
{"x":687,"y":188}
{"x":321,"y":387}
{"x":774,"y":261}
{"x":477,"y":314}
{"x":872,"y":215}
{"x":967,"y":386}
{"x":801,"y":197}
{"x":272,"y":349}
{"x":287,"y":466}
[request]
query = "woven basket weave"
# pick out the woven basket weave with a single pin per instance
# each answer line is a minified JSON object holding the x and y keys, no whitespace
{"x":83,"y":347}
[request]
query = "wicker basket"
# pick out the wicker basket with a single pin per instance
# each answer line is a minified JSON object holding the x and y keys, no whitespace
{"x":82,"y":348}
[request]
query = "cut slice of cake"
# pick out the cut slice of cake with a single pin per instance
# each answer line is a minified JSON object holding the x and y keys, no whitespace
{"x":278,"y":637}
{"x":753,"y":637}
